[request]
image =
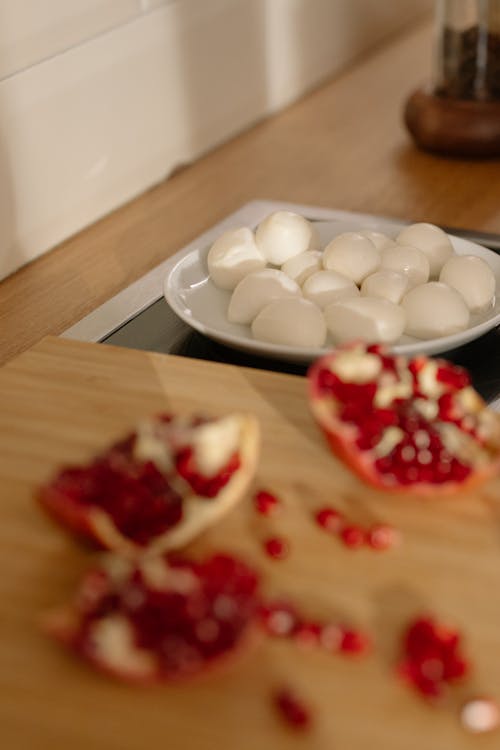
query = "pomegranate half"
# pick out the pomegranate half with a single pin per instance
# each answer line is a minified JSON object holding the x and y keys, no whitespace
{"x":414,"y":425}
{"x":158,"y":620}
{"x":159,"y":487}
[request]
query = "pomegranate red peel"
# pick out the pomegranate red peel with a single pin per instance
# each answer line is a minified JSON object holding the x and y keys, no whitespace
{"x":133,"y":500}
{"x":404,"y":426}
{"x":155,"y":621}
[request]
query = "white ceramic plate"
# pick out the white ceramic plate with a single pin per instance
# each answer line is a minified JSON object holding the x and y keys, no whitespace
{"x":199,"y":303}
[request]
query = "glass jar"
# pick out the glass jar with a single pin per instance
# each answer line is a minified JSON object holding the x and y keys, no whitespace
{"x":459,"y":113}
{"x":468,"y":49}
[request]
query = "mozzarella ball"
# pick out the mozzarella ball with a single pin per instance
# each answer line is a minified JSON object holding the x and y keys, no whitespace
{"x":432,"y":241}
{"x":283,"y":235}
{"x":256,"y":290}
{"x":408,"y":260}
{"x":232,"y":256}
{"x":352,"y":255}
{"x":324,"y":287}
{"x":386,"y":284}
{"x":433,"y":310}
{"x":301,"y":266}
{"x":379,"y":239}
{"x":291,"y":321}
{"x":473,"y":278}
{"x":369,"y":319}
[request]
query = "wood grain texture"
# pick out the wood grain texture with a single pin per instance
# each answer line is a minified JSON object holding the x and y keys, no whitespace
{"x":63,"y":401}
{"x":343,"y":146}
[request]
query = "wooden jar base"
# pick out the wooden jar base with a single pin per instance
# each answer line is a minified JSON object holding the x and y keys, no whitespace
{"x":453,"y":127}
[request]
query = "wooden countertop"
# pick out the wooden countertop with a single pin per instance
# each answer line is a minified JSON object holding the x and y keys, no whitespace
{"x":342,"y":146}
{"x":63,"y":401}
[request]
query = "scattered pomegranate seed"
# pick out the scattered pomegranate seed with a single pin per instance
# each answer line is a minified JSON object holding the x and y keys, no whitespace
{"x":329,"y":519}
{"x":382,"y":537}
{"x":282,"y":620}
{"x":353,"y":536}
{"x":308,"y":634}
{"x":480,"y":715}
{"x":292,"y":710}
{"x":266,"y":503}
{"x":354,"y":642}
{"x":331,"y":637}
{"x":276,"y":547}
{"x":431,"y":657}
{"x":379,"y":536}
{"x":279,"y":619}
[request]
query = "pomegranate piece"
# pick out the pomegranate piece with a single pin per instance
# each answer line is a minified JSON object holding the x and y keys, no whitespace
{"x":431,"y":657}
{"x":158,"y":620}
{"x":160,"y":486}
{"x":412,"y":425}
{"x":292,"y":710}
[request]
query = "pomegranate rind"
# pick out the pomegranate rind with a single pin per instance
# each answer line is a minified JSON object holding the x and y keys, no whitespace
{"x":135,"y":663}
{"x":340,"y":437}
{"x":90,"y":523}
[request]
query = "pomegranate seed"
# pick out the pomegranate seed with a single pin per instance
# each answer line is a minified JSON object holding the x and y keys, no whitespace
{"x":308,"y":634}
{"x":353,"y":536}
{"x":480,"y":715}
{"x":331,"y":637}
{"x":292,"y":710}
{"x":276,"y":547}
{"x":382,"y":537}
{"x":266,"y":503}
{"x":329,"y":519}
{"x":279,"y":619}
{"x":354,"y":642}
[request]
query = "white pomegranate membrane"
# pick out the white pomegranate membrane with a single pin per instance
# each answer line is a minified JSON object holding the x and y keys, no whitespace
{"x":416,"y":425}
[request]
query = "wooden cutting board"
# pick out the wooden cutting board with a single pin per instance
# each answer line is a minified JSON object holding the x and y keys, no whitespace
{"x":63,"y":401}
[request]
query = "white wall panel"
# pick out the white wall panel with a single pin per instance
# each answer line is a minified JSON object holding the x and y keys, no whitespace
{"x":35,"y":30}
{"x":88,"y":129}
